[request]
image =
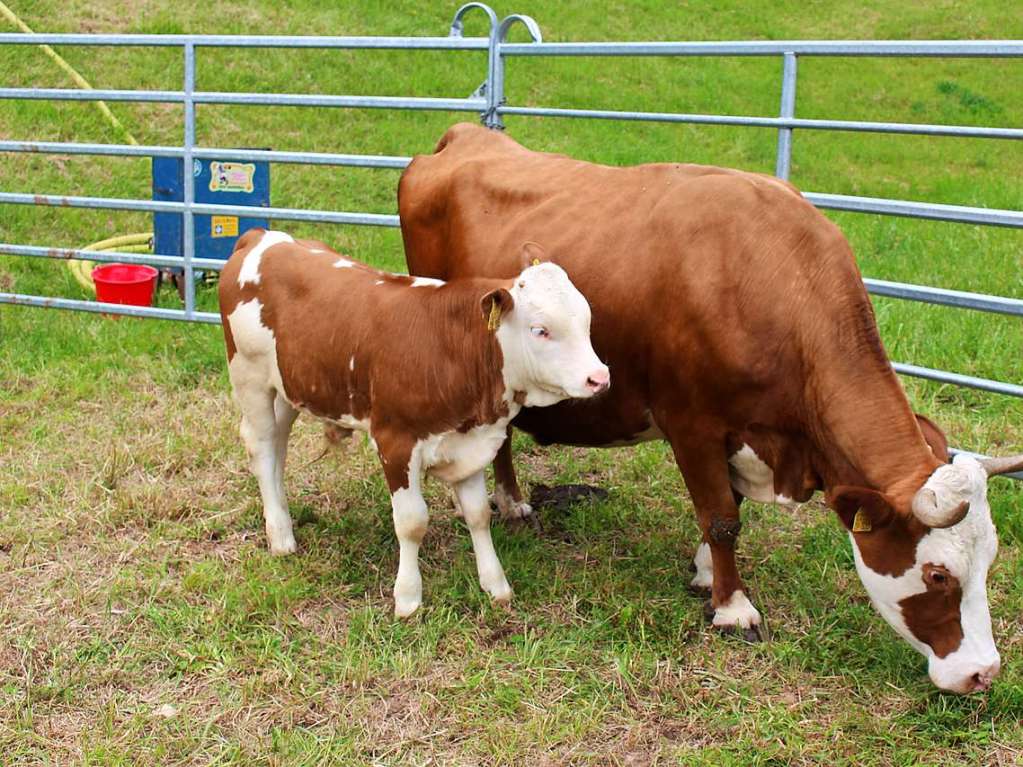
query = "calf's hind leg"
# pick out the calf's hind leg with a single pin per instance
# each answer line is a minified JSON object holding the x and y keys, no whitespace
{"x":507,"y":495}
{"x":265,"y":436}
{"x":472,"y":497}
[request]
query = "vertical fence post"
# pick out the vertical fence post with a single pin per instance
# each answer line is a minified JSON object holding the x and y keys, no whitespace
{"x":489,"y":117}
{"x":788,"y":109}
{"x":188,"y":181}
{"x":496,"y":89}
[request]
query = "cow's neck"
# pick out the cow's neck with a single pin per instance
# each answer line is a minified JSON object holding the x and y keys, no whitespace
{"x":865,"y":427}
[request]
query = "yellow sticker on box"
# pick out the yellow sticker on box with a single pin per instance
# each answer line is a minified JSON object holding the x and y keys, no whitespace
{"x":231,"y":176}
{"x":223,"y":226}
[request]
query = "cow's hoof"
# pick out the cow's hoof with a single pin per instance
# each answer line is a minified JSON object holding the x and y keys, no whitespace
{"x":752,"y":633}
{"x":708,"y":611}
{"x":701,"y":591}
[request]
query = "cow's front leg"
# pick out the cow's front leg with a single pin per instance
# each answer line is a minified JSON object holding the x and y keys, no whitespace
{"x":703,"y":565}
{"x":706,"y":476}
{"x":403,"y":472}
{"x":507,"y":495}
{"x":472,"y":497}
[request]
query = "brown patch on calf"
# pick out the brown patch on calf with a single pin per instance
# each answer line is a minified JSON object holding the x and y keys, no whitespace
{"x":934,"y":615}
{"x":424,"y":362}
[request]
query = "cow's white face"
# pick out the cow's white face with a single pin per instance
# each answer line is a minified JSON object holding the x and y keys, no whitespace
{"x":930,"y":584}
{"x":545,"y":339}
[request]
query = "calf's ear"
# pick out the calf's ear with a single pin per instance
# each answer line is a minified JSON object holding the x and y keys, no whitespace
{"x":532,"y":254}
{"x":860,"y":508}
{"x":495,"y":305}
{"x":934,"y":436}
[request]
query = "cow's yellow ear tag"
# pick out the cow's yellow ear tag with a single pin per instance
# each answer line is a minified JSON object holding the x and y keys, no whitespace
{"x":536,"y":262}
{"x":494,"y":320}
{"x":861,"y":523}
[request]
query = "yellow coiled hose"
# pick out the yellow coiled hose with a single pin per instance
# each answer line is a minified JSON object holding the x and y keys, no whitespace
{"x":126,"y":243}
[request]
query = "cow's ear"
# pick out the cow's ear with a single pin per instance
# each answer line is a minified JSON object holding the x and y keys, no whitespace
{"x":860,"y":508}
{"x":495,"y":305}
{"x":935,"y":437}
{"x":532,"y":254}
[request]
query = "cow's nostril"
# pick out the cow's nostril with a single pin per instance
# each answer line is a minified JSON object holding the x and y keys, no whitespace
{"x":595,"y":385}
{"x":981,"y":682}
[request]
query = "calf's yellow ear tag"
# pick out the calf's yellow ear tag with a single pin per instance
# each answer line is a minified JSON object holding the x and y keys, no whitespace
{"x":861,"y":523}
{"x":536,"y":262}
{"x":494,"y":320}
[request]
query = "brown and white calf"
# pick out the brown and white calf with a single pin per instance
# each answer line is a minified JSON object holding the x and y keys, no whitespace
{"x":736,"y":321}
{"x":433,"y":371}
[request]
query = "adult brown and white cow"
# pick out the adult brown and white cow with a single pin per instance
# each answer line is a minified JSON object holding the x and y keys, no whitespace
{"x":432,"y":371}
{"x":738,"y":327}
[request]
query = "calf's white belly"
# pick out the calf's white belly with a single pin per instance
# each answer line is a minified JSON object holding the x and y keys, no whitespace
{"x":454,"y":456}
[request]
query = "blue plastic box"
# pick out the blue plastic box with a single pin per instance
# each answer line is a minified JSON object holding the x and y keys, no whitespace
{"x":217,"y":182}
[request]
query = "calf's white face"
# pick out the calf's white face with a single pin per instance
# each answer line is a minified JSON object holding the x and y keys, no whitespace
{"x":930,"y":583}
{"x":545,"y":339}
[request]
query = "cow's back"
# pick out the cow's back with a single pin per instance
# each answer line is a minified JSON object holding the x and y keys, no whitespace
{"x":691,"y":271}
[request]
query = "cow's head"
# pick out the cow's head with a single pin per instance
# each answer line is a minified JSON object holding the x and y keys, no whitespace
{"x":925,"y":568}
{"x":543,"y":328}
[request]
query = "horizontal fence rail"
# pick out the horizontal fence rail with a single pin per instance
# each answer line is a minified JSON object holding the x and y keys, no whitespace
{"x":490,"y":103}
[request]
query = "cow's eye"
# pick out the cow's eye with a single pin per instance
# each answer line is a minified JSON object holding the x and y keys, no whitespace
{"x":540,"y":331}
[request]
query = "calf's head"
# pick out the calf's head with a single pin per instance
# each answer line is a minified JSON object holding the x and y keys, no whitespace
{"x":543,"y":327}
{"x":925,"y":568}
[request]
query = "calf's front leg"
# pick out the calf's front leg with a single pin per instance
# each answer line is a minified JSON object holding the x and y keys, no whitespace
{"x":507,"y":495}
{"x":408,"y":509}
{"x":472,"y":497}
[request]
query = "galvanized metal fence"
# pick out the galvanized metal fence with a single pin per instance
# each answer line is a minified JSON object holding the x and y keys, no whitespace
{"x":489,"y":102}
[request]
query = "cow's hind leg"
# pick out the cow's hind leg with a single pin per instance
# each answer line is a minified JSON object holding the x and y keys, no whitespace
{"x":265,"y":436}
{"x":705,"y":471}
{"x":472,"y":497}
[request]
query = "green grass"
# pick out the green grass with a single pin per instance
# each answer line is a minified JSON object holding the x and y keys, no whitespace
{"x":133,"y":571}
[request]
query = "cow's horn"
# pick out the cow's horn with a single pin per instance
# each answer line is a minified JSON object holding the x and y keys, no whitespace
{"x":925,"y":508}
{"x":1003,"y":465}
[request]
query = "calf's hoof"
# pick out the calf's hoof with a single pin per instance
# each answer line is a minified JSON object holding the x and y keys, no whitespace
{"x":509,"y":508}
{"x":501,"y":595}
{"x":403,"y":608}
{"x":701,"y":591}
{"x":282,"y":545}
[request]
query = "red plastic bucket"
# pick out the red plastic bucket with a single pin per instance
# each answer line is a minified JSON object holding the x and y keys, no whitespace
{"x":125,"y":284}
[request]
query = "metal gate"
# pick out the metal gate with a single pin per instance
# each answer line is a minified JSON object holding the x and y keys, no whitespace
{"x":489,"y":102}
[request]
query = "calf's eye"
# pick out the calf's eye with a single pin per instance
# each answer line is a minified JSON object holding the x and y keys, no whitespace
{"x":539,"y":331}
{"x":936,"y":575}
